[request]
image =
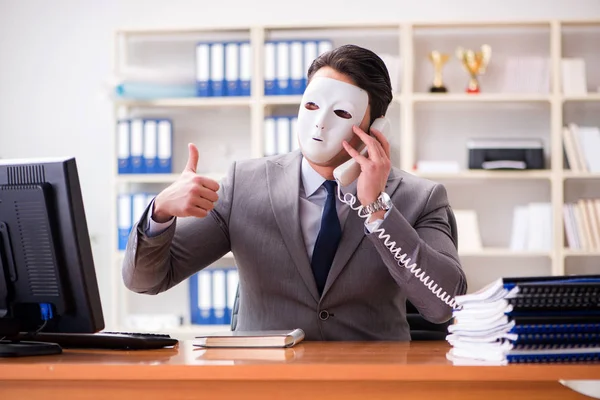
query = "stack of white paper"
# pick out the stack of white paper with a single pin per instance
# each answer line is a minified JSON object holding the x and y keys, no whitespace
{"x":467,"y":223}
{"x":481,"y":330}
{"x":573,"y":74}
{"x":532,"y":227}
{"x":528,"y":74}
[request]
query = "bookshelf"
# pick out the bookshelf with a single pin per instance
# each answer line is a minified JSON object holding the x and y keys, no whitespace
{"x":425,"y":125}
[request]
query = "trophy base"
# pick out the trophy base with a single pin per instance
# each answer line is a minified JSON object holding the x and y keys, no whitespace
{"x":438,"y":89}
{"x":476,"y":90}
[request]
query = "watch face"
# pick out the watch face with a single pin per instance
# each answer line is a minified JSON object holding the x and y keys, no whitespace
{"x":385,"y":200}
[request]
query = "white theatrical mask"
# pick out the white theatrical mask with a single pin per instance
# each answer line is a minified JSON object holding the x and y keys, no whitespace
{"x":328,"y":110}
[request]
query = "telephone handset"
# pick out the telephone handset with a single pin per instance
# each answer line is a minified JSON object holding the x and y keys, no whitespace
{"x":346,"y":174}
{"x":350,"y":170}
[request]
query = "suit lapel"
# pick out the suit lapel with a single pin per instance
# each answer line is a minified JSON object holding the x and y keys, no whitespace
{"x":283,"y":181}
{"x":353,"y":233}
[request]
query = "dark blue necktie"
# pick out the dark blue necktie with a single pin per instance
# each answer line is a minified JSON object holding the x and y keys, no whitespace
{"x":328,"y":238}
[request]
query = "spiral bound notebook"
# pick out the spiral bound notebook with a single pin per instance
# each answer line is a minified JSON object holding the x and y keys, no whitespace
{"x":557,"y":338}
{"x":556,"y":324}
{"x":554,"y":354}
{"x":587,"y":288}
{"x":582,"y":303}
{"x":550,"y":286}
{"x":554,"y":285}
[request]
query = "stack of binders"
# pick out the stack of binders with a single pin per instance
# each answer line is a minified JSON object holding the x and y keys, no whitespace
{"x":130,"y":208}
{"x":212,"y":295}
{"x":223,"y":69}
{"x":287,"y":63}
{"x":280,"y":135}
{"x":144,"y":146}
{"x":528,"y":320}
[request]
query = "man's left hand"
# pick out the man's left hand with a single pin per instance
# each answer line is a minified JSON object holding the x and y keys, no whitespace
{"x":374,"y":169}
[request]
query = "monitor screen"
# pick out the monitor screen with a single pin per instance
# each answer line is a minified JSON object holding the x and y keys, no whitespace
{"x":47,"y":275}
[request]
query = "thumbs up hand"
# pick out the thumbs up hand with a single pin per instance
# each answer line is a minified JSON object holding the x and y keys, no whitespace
{"x":190,"y":195}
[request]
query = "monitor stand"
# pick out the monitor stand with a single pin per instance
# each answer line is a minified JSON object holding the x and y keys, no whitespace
{"x":14,"y":344}
{"x":10,"y":348}
{"x":10,"y":327}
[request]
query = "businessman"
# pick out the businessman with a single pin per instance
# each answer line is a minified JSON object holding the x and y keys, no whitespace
{"x":305,"y":258}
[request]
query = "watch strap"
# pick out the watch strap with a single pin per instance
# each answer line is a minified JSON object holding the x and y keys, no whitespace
{"x":377,"y":205}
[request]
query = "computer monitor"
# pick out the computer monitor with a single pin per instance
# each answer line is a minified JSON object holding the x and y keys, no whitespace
{"x":47,"y":276}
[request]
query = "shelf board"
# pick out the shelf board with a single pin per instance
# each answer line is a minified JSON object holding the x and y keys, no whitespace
{"x":207,"y":102}
{"x":484,"y":174}
{"x":579,"y":22}
{"x":580,"y":175}
{"x":162,"y":178}
{"x":353,"y":24}
{"x":333,"y":25}
{"x":182,"y":30}
{"x":480,"y":24}
{"x":146,"y":178}
{"x":503,"y":252}
{"x":281,"y":100}
{"x":481,"y":97}
{"x":581,"y":253}
{"x":585,"y":97}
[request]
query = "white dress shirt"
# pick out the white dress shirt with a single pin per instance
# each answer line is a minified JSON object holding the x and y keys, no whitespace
{"x":312,"y":202}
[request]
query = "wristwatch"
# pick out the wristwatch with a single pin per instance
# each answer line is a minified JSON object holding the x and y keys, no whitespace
{"x":383,"y":202}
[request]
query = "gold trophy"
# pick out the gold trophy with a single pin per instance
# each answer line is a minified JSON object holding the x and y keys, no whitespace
{"x":438,"y":60}
{"x":475,"y":64}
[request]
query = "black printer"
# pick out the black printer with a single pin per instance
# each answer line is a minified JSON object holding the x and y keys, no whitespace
{"x":506,"y":154}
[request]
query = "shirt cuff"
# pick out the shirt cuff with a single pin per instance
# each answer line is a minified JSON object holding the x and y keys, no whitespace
{"x":374,"y":225}
{"x":154,"y":228}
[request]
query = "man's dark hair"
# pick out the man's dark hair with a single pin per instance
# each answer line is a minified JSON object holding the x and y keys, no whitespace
{"x":367,"y":70}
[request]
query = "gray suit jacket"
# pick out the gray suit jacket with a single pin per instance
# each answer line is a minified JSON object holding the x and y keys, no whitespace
{"x":257,"y":218}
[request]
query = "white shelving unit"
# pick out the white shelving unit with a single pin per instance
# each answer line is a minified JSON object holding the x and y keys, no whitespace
{"x":424,"y":124}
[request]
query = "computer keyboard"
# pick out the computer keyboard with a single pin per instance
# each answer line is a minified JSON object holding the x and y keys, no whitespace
{"x":106,"y":340}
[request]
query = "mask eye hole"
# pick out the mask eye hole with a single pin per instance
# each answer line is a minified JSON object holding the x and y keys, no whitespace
{"x":343,"y":114}
{"x":311,"y":106}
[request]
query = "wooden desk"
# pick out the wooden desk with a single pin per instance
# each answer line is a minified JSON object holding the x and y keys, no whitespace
{"x":374,"y":370}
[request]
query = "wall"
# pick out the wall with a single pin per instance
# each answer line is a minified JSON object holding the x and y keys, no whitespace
{"x":55,"y":57}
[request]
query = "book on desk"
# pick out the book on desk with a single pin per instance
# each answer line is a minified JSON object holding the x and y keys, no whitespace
{"x":256,"y":339}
